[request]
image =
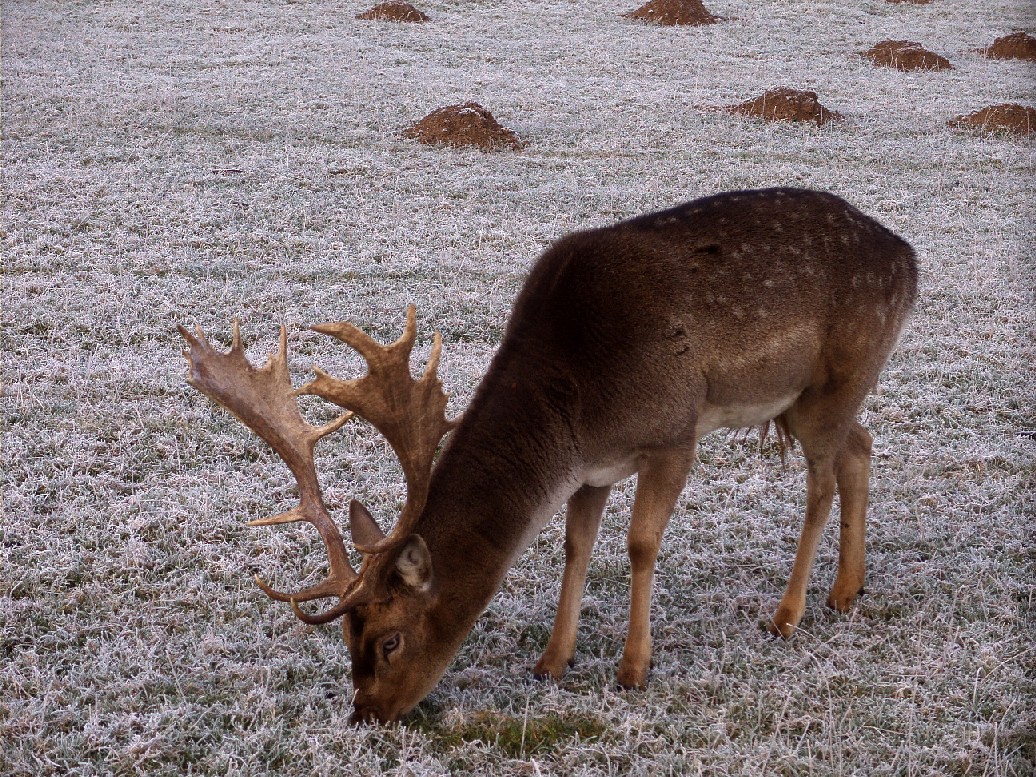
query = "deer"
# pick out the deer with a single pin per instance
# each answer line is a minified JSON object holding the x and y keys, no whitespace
{"x":626,"y":344}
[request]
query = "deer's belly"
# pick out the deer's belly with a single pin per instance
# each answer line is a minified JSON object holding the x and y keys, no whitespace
{"x":608,"y":474}
{"x":712,"y":417}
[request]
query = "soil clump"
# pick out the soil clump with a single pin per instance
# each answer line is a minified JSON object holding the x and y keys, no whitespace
{"x":905,"y":55}
{"x":1017,"y":45}
{"x":1008,"y":117}
{"x":673,"y":12}
{"x":785,"y":104}
{"x":393,"y":11}
{"x":464,"y":125}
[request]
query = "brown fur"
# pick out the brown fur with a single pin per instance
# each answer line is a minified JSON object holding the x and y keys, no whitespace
{"x":618,"y":338}
{"x":625,"y":345}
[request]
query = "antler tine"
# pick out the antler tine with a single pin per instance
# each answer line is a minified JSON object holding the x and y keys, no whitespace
{"x":367,"y":346}
{"x":263,"y":400}
{"x":340,"y":609}
{"x":409,"y":413}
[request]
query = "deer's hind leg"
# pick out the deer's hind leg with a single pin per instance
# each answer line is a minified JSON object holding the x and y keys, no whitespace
{"x":852,"y":473}
{"x":837,"y":450}
{"x":582,"y":521}
{"x":820,"y":494}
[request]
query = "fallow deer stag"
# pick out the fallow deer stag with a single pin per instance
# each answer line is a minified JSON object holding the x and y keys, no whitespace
{"x":625,"y":346}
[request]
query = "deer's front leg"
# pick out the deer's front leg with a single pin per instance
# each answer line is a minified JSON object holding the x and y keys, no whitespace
{"x":660,"y":479}
{"x":582,"y":521}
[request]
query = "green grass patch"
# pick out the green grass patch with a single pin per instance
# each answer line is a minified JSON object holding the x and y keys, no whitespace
{"x":515,"y":736}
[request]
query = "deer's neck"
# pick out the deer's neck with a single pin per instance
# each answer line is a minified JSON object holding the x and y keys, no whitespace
{"x":506,"y":471}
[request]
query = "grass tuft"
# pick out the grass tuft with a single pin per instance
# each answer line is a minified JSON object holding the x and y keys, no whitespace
{"x":169,"y":163}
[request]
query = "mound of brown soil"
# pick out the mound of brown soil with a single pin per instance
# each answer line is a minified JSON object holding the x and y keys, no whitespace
{"x":784,"y":104}
{"x":393,"y":11}
{"x":673,"y":12}
{"x":1017,"y":45}
{"x":463,"y":125}
{"x":1009,"y":117}
{"x":905,"y":55}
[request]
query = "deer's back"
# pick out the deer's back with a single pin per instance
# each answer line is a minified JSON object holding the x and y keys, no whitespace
{"x":736,"y":298}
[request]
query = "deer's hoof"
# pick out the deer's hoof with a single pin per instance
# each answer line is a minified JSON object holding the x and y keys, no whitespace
{"x":632,"y":678}
{"x":841,"y":601}
{"x":548,"y":669}
{"x":783,"y":624}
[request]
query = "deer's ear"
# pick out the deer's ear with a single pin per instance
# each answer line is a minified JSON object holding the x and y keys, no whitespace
{"x":362,"y":526}
{"x":414,"y":563}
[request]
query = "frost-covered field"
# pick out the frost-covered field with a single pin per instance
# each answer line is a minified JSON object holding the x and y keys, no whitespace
{"x":168,"y":162}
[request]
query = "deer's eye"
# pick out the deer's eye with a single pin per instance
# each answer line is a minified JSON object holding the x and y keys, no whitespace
{"x":391,"y":644}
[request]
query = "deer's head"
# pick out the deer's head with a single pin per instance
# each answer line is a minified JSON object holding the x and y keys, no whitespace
{"x":395,"y":636}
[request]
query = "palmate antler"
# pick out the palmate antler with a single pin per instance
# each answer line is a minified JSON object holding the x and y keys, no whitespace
{"x":409,"y":413}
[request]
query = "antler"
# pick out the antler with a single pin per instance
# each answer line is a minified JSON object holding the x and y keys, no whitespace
{"x":409,"y":413}
{"x":264,"y":401}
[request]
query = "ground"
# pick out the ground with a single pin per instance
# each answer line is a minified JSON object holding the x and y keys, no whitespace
{"x":175,"y":162}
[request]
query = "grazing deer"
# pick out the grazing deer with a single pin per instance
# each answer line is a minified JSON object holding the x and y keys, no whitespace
{"x":625,"y":346}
